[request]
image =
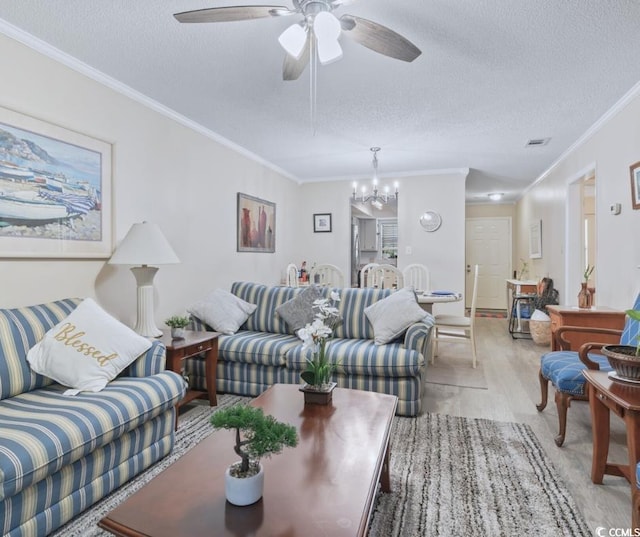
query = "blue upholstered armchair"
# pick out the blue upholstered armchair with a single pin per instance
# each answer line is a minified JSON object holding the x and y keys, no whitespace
{"x":564,"y":368}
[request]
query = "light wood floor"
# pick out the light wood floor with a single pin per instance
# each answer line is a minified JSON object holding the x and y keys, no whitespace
{"x":511,"y":369}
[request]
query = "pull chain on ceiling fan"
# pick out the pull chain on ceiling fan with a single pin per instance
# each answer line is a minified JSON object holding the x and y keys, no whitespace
{"x":315,"y":37}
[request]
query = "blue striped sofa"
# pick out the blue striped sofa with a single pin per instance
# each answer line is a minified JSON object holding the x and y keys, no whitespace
{"x":60,"y":454}
{"x":265,"y":350}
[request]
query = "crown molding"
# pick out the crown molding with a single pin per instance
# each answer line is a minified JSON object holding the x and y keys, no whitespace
{"x":603,"y":120}
{"x":73,"y":63}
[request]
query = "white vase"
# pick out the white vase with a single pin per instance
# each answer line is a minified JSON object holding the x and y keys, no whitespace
{"x":245,"y":490}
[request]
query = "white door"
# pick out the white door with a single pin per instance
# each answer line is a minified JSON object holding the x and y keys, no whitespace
{"x":488,"y":244}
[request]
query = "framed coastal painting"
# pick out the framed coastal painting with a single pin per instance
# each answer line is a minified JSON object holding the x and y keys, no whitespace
{"x":256,"y":220}
{"x":635,"y":185}
{"x":55,"y":190}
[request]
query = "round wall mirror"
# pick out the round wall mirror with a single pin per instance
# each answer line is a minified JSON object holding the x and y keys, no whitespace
{"x":430,"y":221}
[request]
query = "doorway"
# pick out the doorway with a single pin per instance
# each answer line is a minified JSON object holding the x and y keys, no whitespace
{"x":581,"y":245}
{"x":488,"y":244}
{"x":373,"y":232}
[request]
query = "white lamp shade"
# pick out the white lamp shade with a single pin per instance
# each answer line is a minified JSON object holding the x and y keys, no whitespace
{"x":144,"y":244}
{"x":293,"y":40}
{"x":327,"y":30}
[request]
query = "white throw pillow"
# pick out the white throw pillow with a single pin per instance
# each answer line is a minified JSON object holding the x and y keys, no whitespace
{"x":222,"y":311}
{"x":392,"y":315}
{"x":86,"y":350}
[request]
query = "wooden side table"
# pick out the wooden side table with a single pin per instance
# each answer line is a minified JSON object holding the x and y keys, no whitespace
{"x":596,"y":317}
{"x":623,"y":398}
{"x":194,"y":343}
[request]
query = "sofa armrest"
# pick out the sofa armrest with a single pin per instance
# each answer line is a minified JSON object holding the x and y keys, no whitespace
{"x":418,"y":337}
{"x":148,"y":363}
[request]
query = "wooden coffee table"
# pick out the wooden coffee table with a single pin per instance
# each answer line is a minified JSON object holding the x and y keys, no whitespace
{"x":325,"y":486}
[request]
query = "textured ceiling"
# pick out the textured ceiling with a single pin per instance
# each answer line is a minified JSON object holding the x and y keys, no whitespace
{"x":493,"y":74}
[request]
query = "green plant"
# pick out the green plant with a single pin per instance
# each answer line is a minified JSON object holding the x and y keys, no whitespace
{"x":178,"y":321}
{"x":314,"y":336}
{"x":635,"y":315}
{"x":257,"y":435}
{"x":587,"y":272}
{"x":524,"y":269}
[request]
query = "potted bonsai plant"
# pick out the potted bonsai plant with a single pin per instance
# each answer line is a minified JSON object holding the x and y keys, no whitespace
{"x":256,"y":436}
{"x":317,"y":375}
{"x":177,"y":323}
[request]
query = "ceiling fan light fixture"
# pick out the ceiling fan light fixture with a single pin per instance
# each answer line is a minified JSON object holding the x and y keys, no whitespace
{"x":293,"y":39}
{"x":327,"y":31}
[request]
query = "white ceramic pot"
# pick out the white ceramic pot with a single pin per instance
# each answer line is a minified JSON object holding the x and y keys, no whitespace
{"x":243,"y":491}
{"x":177,"y":333}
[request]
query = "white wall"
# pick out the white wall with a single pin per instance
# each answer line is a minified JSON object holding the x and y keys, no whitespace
{"x":187,"y":182}
{"x":442,"y":251}
{"x":610,"y":150}
{"x":163,"y":172}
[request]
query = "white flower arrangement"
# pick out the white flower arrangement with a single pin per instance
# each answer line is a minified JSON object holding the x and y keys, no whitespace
{"x":314,"y":336}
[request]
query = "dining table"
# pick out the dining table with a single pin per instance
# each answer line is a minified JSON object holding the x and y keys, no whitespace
{"x":427,"y":299}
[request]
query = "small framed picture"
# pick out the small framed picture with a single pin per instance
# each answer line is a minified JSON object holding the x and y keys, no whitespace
{"x":322,"y":223}
{"x":635,"y":185}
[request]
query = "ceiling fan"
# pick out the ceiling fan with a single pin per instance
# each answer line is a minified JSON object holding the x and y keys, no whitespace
{"x":316,"y":35}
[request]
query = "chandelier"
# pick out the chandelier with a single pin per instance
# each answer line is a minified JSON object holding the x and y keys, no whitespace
{"x":375,"y":197}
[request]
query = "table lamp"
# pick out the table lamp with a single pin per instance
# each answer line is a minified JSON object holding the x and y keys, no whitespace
{"x":144,"y":245}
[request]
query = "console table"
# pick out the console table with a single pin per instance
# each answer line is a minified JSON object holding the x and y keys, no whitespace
{"x":515,"y":288}
{"x":595,"y":317}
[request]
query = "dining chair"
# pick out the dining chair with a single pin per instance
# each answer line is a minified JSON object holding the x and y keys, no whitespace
{"x":328,"y":275}
{"x":416,"y":276}
{"x":368,"y":275}
{"x":450,"y":327}
{"x":564,"y":367}
{"x":291,"y":275}
{"x":389,"y":277}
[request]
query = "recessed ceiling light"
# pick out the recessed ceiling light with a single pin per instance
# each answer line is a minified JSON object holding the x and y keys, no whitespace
{"x":496,"y":196}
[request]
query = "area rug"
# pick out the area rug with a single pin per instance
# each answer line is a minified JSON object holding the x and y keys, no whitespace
{"x":454,"y":367}
{"x":473,"y":477}
{"x":449,"y":476}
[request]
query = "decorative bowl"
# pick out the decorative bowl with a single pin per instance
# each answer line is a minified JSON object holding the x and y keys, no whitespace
{"x":624,"y":361}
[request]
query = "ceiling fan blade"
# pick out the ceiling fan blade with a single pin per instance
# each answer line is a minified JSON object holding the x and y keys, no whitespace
{"x":292,"y":67}
{"x":379,"y":38}
{"x":232,"y":13}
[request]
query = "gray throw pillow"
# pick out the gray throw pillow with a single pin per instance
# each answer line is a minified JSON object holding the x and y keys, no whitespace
{"x":299,"y":311}
{"x":391,"y":316}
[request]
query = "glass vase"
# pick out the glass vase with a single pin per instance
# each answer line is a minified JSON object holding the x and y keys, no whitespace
{"x":584,"y":297}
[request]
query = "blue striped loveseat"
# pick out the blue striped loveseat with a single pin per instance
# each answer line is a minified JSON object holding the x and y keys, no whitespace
{"x":60,"y":454}
{"x":265,"y":350}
